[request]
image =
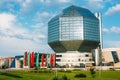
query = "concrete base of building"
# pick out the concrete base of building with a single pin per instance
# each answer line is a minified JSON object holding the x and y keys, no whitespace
{"x":107,"y":68}
{"x":74,"y":59}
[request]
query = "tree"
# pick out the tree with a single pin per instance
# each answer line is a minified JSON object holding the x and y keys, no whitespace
{"x":92,"y":72}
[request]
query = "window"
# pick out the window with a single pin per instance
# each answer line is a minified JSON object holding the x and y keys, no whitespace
{"x":86,"y":55}
{"x":71,"y":28}
{"x":115,"y":57}
{"x":58,"y":60}
{"x":58,"y":55}
{"x":91,"y":29}
{"x":90,"y":59}
{"x":78,"y":59}
{"x":103,"y":59}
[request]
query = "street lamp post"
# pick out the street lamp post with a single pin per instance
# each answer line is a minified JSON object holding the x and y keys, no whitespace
{"x":100,"y":71}
{"x":0,"y":63}
{"x":56,"y":70}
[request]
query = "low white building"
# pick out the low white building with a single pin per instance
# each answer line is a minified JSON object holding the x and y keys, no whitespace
{"x":73,"y":59}
{"x":111,"y":56}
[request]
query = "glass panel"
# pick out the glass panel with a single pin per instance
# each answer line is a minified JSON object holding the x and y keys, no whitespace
{"x":53,"y":30}
{"x":71,"y":28}
{"x":115,"y":57}
{"x":91,"y":29}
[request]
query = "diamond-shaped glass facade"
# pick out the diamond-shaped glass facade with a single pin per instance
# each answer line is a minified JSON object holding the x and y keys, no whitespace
{"x":75,"y":29}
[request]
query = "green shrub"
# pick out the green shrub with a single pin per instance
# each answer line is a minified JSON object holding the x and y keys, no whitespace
{"x":55,"y":78}
{"x":67,"y":71}
{"x":36,"y":68}
{"x":92,"y":72}
{"x":64,"y":77}
{"x":76,"y":70}
{"x":81,"y":75}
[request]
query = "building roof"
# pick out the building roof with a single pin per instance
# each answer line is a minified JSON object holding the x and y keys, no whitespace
{"x":75,"y":11}
{"x":19,"y":56}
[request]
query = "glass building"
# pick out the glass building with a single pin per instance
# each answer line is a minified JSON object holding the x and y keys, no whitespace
{"x":73,"y":34}
{"x":74,"y":29}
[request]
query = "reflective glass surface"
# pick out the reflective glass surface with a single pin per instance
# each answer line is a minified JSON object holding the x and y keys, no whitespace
{"x":77,"y":11}
{"x":75,"y":28}
{"x":74,"y":23}
{"x":71,"y":28}
{"x":91,"y":29}
{"x":53,"y":30}
{"x":115,"y":56}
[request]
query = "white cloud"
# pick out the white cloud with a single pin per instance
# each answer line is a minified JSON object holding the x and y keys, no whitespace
{"x":14,"y":38}
{"x":54,"y":3}
{"x":11,"y":28}
{"x":6,"y":20}
{"x":12,"y":46}
{"x":29,"y":6}
{"x":42,"y":14}
{"x":95,"y":4}
{"x":9,"y":5}
{"x":42,"y":17}
{"x":112,"y":44}
{"x":105,"y":30}
{"x":113,"y":29}
{"x":107,"y":0}
{"x":113,"y":34}
{"x":8,"y":25}
{"x":64,"y":1}
{"x":45,"y":1}
{"x":26,"y":2}
{"x":113,"y":10}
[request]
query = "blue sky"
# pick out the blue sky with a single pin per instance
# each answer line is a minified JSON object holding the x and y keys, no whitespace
{"x":23,"y":23}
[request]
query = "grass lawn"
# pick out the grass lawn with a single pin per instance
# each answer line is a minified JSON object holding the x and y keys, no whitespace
{"x":32,"y":75}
